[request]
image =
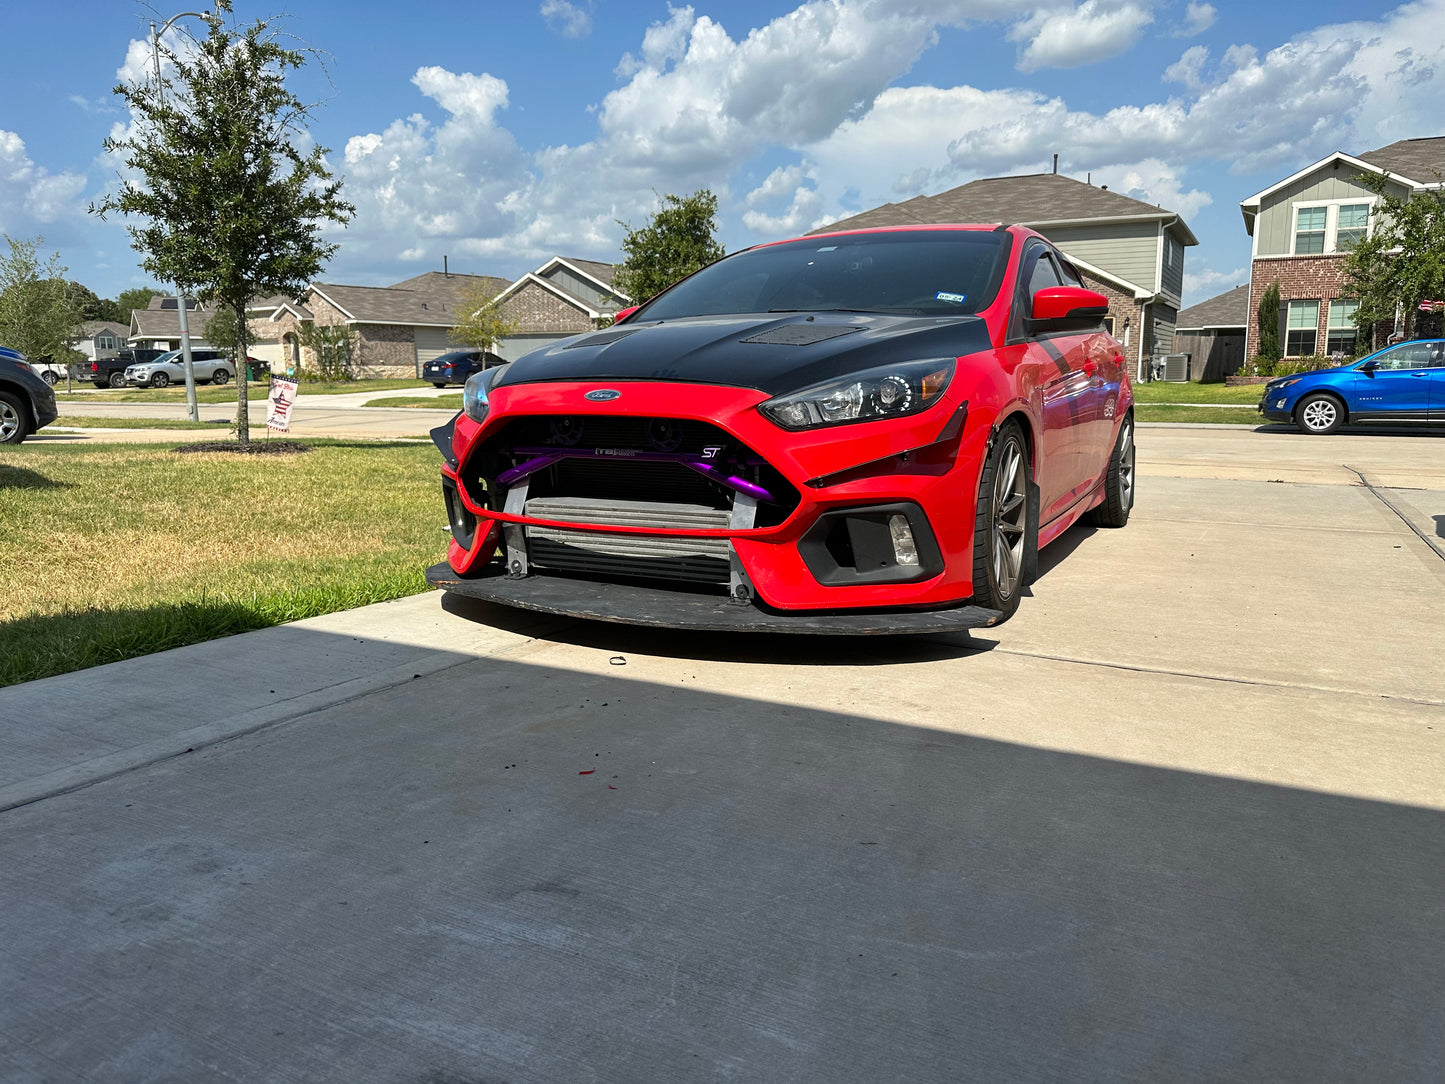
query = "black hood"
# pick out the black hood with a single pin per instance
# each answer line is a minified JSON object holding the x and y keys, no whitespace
{"x":774,"y":354}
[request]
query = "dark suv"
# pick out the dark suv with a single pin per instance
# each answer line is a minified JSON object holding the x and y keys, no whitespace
{"x":110,"y":372}
{"x":26,"y":401}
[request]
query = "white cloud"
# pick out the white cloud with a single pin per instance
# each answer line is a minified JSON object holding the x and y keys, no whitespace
{"x":1095,"y":30}
{"x":30,"y":196}
{"x":1202,"y":284}
{"x":569,"y":20}
{"x":1197,"y":19}
{"x":1188,"y":68}
{"x":786,"y":183}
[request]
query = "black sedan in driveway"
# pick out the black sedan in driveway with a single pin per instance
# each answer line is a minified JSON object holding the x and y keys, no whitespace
{"x":27,"y":402}
{"x":454,"y":368}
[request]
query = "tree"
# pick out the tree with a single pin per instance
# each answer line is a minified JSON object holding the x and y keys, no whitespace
{"x":232,"y":209}
{"x":482,"y":321}
{"x":38,"y":314}
{"x":1269,"y":323}
{"x":676,"y":241}
{"x":138,"y":298}
{"x":333,"y":347}
{"x":1402,"y":261}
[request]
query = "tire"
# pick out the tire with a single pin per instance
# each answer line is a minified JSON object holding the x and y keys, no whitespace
{"x":100,"y":383}
{"x":14,"y":419}
{"x":1118,"y":481}
{"x":436,"y":385}
{"x":220,"y":376}
{"x":1319,"y":414}
{"x":160,"y":380}
{"x":117,"y":380}
{"x":50,"y":378}
{"x":1001,"y":540}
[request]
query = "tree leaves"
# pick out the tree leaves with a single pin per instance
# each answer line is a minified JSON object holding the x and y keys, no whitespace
{"x":677,"y":240}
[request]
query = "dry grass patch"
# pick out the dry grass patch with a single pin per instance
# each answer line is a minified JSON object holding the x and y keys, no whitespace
{"x":117,"y":550}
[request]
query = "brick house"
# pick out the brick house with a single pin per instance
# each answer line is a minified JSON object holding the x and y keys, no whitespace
{"x":398,"y":328}
{"x":1130,"y":251}
{"x":565,"y":296}
{"x":1302,"y":227}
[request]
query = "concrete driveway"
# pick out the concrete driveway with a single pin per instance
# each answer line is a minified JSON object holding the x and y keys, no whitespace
{"x":1181,"y":819}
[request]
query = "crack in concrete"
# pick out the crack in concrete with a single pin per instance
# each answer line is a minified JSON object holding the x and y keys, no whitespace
{"x":1232,"y":680}
{"x":1421,"y":535}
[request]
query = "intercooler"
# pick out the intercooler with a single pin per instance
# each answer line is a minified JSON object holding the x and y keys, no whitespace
{"x":643,"y":556}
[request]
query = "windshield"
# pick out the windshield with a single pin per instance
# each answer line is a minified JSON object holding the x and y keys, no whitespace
{"x":169,"y":355}
{"x":921,"y":272}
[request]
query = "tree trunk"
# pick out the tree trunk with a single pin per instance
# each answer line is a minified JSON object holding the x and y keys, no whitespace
{"x":243,"y":415}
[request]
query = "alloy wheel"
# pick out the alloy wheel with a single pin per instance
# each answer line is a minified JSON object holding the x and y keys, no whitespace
{"x":1320,"y":414}
{"x":9,"y":421}
{"x":1126,"y":465}
{"x":1010,"y":518}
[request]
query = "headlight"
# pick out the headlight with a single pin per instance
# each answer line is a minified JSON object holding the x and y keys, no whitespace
{"x":890,"y":391}
{"x":1286,"y":383}
{"x":476,"y":390}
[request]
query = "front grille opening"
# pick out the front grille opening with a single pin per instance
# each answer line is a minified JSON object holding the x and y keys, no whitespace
{"x":616,"y":475}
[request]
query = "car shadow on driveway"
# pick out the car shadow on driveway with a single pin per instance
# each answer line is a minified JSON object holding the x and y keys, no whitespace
{"x":507,"y":870}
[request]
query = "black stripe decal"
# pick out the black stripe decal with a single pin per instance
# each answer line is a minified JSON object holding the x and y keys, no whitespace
{"x":1053,"y":351}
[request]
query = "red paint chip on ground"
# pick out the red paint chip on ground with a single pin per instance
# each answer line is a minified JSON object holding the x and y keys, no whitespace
{"x":589,"y":771}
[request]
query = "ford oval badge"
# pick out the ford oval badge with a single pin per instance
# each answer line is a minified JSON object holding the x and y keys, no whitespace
{"x":603,"y":395}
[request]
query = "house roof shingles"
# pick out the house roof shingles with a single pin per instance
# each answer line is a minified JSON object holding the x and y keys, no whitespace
{"x":1027,"y":199}
{"x":430,"y":298}
{"x":1229,"y":309}
{"x":91,"y":328}
{"x":602,"y":272}
{"x":1418,"y":159}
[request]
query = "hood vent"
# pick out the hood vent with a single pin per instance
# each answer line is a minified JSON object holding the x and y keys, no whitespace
{"x":800,"y":334}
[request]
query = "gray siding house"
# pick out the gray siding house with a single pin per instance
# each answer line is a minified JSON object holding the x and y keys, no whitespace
{"x":1128,"y":250}
{"x":1302,"y":227}
{"x":565,"y":296}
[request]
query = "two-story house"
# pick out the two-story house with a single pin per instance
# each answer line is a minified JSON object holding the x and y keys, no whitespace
{"x":1302,"y":228}
{"x":1130,"y":251}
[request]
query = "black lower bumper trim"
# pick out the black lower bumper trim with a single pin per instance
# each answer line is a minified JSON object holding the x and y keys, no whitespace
{"x":631,"y":604}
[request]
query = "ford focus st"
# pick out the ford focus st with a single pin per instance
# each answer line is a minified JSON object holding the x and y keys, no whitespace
{"x":862,"y":432}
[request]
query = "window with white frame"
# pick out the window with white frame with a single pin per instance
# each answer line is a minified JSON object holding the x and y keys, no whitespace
{"x":1342,"y":336}
{"x":1330,"y":227}
{"x":1302,"y":328}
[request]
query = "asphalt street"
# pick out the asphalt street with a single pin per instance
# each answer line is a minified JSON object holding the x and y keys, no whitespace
{"x":1183,"y":818}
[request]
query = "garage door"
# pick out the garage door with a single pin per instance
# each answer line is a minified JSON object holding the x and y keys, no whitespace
{"x":431,"y":343}
{"x":514,"y":347}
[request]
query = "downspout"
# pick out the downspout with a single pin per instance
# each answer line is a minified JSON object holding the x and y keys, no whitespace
{"x":1143,"y":329}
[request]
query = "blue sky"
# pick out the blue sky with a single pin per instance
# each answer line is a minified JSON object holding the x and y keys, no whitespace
{"x":500,"y":134}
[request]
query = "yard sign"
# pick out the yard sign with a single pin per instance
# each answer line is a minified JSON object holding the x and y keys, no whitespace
{"x":279,"y":404}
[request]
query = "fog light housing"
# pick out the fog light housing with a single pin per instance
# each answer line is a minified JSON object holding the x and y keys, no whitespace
{"x":879,"y":543}
{"x":464,"y":524}
{"x":901,"y":534}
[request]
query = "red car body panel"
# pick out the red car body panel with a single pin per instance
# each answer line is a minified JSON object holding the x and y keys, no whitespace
{"x":1069,"y":392}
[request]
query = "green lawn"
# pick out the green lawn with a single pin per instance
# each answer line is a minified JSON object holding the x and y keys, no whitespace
{"x":118,"y":550}
{"x":1158,"y":391}
{"x":226,"y":393}
{"x":1231,"y":415}
{"x":80,"y":421}
{"x":435,"y":402}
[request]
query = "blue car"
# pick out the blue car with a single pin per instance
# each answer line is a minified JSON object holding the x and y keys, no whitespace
{"x":1401,"y":383}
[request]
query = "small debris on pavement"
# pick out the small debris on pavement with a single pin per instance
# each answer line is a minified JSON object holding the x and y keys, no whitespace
{"x":617,"y":660}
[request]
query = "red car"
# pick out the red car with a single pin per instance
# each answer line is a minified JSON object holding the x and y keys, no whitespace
{"x":863,"y":432}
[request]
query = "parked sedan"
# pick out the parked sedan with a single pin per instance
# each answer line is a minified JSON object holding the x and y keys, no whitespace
{"x":871,"y":431}
{"x":455,"y":367}
{"x":1401,"y":383}
{"x":209,"y":366}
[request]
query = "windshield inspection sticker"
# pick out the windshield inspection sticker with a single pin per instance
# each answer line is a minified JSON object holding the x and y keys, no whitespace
{"x":958,"y":298}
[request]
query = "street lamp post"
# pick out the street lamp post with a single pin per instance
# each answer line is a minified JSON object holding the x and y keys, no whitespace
{"x":212,"y":20}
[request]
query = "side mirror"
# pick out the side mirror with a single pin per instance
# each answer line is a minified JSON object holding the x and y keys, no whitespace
{"x":1368,"y":367}
{"x":1072,"y":303}
{"x":623,"y":314}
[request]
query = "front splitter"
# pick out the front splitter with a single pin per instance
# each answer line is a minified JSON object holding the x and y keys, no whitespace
{"x":631,"y":604}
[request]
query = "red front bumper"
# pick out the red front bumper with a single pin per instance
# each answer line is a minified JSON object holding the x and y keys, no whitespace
{"x":870,"y":463}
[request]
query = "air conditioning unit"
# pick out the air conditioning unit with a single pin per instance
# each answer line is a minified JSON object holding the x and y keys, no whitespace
{"x":1176,"y":368}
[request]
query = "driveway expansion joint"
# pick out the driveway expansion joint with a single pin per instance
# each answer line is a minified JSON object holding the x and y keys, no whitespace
{"x":1421,"y":535}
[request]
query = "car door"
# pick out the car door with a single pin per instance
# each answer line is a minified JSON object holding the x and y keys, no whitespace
{"x":1436,"y":379}
{"x":1066,"y":390}
{"x":1395,"y":384}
